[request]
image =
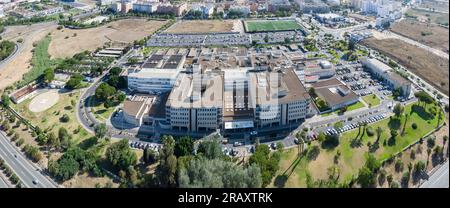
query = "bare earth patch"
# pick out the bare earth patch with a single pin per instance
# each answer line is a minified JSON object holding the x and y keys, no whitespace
{"x":86,"y":181}
{"x":432,"y":68}
{"x":13,"y":70}
{"x":427,"y":34}
{"x":67,"y":42}
{"x":44,"y":101}
{"x":204,"y":26}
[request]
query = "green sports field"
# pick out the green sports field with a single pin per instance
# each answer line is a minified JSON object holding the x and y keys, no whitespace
{"x":271,"y":25}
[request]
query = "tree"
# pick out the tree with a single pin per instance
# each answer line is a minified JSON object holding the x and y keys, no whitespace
{"x":367,"y":174}
{"x":210,"y":149}
{"x":74,"y":81}
{"x":268,"y":163}
{"x":379,"y":132}
{"x":53,"y":141}
{"x":167,"y":168}
{"x":394,"y":133}
{"x":184,"y":146}
{"x":104,"y":92}
{"x":424,"y":98}
{"x":150,"y":156}
{"x":121,"y":155}
{"x":398,"y":110}
{"x":217,"y":173}
{"x":5,"y":100}
{"x":49,"y":75}
{"x":65,"y":118}
{"x":64,"y":169}
{"x":312,"y":92}
{"x":100,"y":130}
{"x":115,"y":71}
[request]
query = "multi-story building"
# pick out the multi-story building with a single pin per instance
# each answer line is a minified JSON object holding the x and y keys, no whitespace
{"x":195,"y":102}
{"x":206,"y":9}
{"x":276,"y":5}
{"x":145,"y":7}
{"x":384,"y":72}
{"x":167,"y":8}
{"x":313,"y":6}
{"x":157,"y":74}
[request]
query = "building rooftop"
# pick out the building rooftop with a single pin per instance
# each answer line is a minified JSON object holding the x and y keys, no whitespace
{"x":334,"y":92}
{"x":199,"y":89}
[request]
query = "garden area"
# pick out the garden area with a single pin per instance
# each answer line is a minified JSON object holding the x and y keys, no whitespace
{"x":342,"y":159}
{"x":62,"y":114}
{"x":371,"y":100}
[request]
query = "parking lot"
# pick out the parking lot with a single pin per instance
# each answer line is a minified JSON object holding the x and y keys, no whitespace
{"x":224,"y":39}
{"x":362,"y":82}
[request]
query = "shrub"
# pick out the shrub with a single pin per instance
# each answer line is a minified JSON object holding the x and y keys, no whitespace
{"x":370,"y":132}
{"x":65,"y":118}
{"x":313,"y":152}
{"x":414,"y":125}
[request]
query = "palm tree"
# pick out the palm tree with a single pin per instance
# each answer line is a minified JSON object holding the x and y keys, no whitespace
{"x":428,"y":154}
{"x":379,"y":131}
{"x":404,"y":124}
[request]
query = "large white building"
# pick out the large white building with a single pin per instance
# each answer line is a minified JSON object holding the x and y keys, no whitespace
{"x":157,"y":74}
{"x":384,"y":72}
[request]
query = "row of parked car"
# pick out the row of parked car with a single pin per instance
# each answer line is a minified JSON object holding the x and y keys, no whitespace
{"x":348,"y":127}
{"x":144,"y":145}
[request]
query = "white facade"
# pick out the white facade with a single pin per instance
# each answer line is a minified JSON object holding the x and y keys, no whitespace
{"x":152,"y":80}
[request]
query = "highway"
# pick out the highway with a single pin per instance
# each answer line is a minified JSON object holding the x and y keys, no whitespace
{"x":24,"y":169}
{"x":3,"y":183}
{"x":439,"y":179}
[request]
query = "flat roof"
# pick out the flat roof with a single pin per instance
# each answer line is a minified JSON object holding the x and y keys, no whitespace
{"x":332,"y":91}
{"x":153,"y":61}
{"x":197,"y":90}
{"x":173,"y":62}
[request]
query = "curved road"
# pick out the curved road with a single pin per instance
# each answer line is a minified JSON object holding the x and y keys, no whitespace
{"x":17,"y":49}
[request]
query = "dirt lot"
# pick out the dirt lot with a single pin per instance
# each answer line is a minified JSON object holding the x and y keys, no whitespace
{"x":432,"y":68}
{"x":205,"y":26}
{"x":427,"y":16}
{"x":431,"y":35}
{"x":68,"y":42}
{"x":12,"y":71}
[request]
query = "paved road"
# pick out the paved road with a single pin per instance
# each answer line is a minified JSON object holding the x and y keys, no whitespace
{"x":20,"y":165}
{"x":3,"y":183}
{"x":439,"y":179}
{"x":83,"y":112}
{"x":17,"y":49}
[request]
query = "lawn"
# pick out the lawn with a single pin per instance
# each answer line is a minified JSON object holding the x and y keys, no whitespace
{"x":353,"y":153}
{"x":50,"y":119}
{"x":351,"y":107}
{"x":371,"y":100}
{"x":100,"y":112}
{"x":274,"y":25}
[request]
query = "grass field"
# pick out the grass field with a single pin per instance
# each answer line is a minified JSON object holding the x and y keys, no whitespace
{"x":351,"y":107}
{"x":100,"y":112}
{"x":40,"y":61}
{"x":271,"y":25}
{"x":352,"y":154}
{"x":50,"y":119}
{"x":371,"y":100}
